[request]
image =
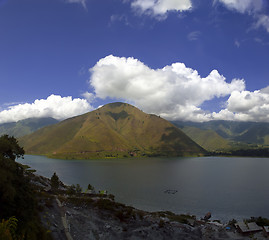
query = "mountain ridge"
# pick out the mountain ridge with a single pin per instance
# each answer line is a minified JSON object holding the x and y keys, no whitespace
{"x":26,"y":126}
{"x":228,"y":133}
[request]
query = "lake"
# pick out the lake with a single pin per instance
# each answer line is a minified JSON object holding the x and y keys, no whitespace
{"x":227,"y":187}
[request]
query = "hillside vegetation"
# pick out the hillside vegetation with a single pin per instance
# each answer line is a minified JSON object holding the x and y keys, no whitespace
{"x":225,"y":135}
{"x":114,"y":130}
{"x":208,"y":139}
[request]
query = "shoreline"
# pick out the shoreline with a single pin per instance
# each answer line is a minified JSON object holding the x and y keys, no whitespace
{"x":154,"y":205}
{"x":107,"y":218}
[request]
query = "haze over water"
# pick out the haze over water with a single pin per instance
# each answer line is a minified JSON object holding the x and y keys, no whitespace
{"x":227,"y":187}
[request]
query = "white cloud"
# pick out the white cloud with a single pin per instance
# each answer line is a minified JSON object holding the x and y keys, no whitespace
{"x":243,"y":6}
{"x":82,"y":2}
{"x":174,"y":92}
{"x":119,"y":18}
{"x":244,"y":101}
{"x":265,"y":90}
{"x":263,"y":21}
{"x":252,"y":7}
{"x":161,"y":7}
{"x":237,"y":43}
{"x":89,"y":96}
{"x":246,"y":106}
{"x":193,"y":36}
{"x":54,"y":106}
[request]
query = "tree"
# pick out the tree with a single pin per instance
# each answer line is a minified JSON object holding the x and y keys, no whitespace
{"x":8,"y":229}
{"x":54,"y":182}
{"x":17,"y":196}
{"x":71,"y":190}
{"x":78,"y":188}
{"x":90,"y":187}
{"x":9,"y":148}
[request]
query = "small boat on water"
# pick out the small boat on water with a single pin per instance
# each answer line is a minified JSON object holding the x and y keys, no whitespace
{"x":169,"y":191}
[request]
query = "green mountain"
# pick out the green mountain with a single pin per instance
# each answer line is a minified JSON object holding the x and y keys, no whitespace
{"x":24,"y":127}
{"x":114,"y":130}
{"x":208,"y":139}
{"x":241,"y":133}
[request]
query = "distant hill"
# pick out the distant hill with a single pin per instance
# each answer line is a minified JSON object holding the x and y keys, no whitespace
{"x":114,"y":130}
{"x":24,"y":127}
{"x":208,"y":139}
{"x":236,"y":132}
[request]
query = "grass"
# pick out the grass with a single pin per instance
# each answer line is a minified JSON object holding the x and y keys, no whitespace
{"x":181,"y":218}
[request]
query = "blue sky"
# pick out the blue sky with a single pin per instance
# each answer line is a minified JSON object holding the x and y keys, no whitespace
{"x":182,"y":59}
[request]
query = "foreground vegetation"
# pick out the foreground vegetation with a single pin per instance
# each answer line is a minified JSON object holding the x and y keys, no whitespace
{"x":18,"y":203}
{"x":245,"y":152}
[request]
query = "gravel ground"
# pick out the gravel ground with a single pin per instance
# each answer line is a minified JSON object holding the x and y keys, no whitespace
{"x":90,"y":222}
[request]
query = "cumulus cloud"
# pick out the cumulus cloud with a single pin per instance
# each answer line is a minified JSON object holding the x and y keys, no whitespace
{"x":82,"y":2}
{"x":54,"y":106}
{"x":246,"y":106}
{"x":174,"y":92}
{"x":161,"y":7}
{"x":89,"y":96}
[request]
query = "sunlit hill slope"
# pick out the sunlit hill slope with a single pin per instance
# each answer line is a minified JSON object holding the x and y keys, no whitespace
{"x":114,"y":130}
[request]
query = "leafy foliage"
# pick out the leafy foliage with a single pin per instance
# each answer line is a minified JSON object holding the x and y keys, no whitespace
{"x":250,"y":152}
{"x":90,"y":187}
{"x":71,"y":190}
{"x":8,"y":229}
{"x":17,"y":196}
{"x":9,"y":148}
{"x":78,"y":188}
{"x":54,"y":181}
{"x":259,"y":220}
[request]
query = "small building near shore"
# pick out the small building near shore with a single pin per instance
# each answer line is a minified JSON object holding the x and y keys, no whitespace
{"x":103,"y":192}
{"x":248,"y":228}
{"x":266,"y":231}
{"x":207,"y":216}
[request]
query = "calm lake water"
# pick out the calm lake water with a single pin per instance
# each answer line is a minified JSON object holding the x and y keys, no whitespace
{"x":227,"y":187}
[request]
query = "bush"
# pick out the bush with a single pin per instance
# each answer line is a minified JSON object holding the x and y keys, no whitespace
{"x":78,"y":188}
{"x":259,"y":220}
{"x":161,"y":223}
{"x":54,"y":181}
{"x":8,"y":229}
{"x":105,"y":204}
{"x":71,"y":190}
{"x":90,"y":187}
